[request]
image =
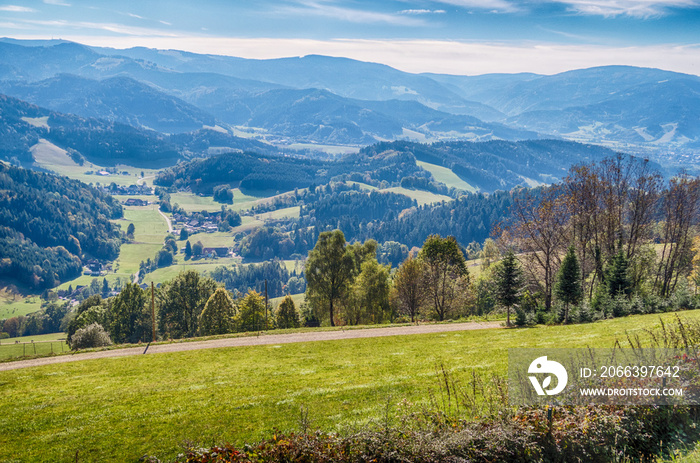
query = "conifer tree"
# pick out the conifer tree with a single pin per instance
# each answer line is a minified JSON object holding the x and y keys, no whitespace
{"x":509,"y":282}
{"x":618,"y":278}
{"x":569,"y":289}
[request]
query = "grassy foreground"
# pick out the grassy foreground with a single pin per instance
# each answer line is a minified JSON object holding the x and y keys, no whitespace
{"x":120,"y":409}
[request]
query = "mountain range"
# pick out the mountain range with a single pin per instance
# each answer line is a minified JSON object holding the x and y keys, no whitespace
{"x":327,"y":100}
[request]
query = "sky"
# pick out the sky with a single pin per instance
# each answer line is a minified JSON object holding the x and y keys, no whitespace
{"x":466,"y":37}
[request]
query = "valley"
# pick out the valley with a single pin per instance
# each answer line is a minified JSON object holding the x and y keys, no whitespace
{"x":290,"y":196}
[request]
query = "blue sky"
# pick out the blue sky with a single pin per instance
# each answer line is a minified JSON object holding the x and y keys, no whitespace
{"x":451,"y":36}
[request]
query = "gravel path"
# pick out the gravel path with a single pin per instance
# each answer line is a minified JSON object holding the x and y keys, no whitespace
{"x":263,"y":339}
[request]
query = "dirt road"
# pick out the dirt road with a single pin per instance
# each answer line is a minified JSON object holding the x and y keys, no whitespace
{"x":263,"y":339}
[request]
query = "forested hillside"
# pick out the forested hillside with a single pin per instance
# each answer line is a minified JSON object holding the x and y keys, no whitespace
{"x":49,"y":223}
{"x":494,"y":165}
{"x":258,"y":172}
{"x":23,"y":124}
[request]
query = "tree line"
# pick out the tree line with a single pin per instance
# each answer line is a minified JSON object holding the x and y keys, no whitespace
{"x":189,"y":305}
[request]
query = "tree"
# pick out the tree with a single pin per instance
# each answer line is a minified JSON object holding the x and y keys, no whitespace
{"x":251,"y":312}
{"x":91,"y":310}
{"x":489,"y":253}
{"x":681,"y":207}
{"x":218,"y":314}
{"x":188,"y":250}
{"x":54,"y":313}
{"x":129,"y":317}
{"x":223,"y":194}
{"x":105,"y":287}
{"x":569,"y":289}
{"x":445,"y":276}
{"x":181,"y":300}
{"x":184,"y":234}
{"x":369,"y":302}
{"x":197,"y":249}
{"x":540,"y":230}
{"x":329,"y":271}
{"x":509,"y":282}
{"x":130,"y":231}
{"x":618,"y":277}
{"x":408,"y":288}
{"x":164,"y":258}
{"x":287,"y":315}
{"x":93,"y":335}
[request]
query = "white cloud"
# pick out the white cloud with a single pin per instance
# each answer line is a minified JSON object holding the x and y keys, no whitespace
{"x":17,"y":9}
{"x":422,"y":11}
{"x":496,"y":6}
{"x":142,"y":32}
{"x":56,"y":2}
{"x":329,"y":10}
{"x":632,"y":8}
{"x":462,"y":58}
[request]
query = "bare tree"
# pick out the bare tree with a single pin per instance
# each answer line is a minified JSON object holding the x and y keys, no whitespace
{"x":681,"y":207}
{"x":540,"y":231}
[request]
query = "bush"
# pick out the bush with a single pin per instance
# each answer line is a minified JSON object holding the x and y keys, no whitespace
{"x":93,"y":335}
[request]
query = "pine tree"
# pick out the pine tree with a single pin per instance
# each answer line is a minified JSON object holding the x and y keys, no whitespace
{"x":509,"y":282}
{"x":568,"y":288}
{"x":617,"y":277}
{"x":188,"y":250}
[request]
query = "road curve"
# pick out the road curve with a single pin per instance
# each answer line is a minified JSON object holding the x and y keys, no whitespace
{"x":263,"y":339}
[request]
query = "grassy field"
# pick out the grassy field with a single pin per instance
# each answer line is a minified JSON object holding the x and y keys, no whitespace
{"x":29,"y":346}
{"x":286,"y":213}
{"x":13,"y":304}
{"x":55,"y":159}
{"x":120,"y":409}
{"x":446,"y":176}
{"x":194,"y":203}
{"x":422,"y":197}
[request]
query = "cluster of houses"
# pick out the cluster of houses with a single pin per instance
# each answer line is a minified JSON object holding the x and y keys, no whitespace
{"x":95,"y":268}
{"x":193,"y":226}
{"x":130,"y":190}
{"x":135,"y":202}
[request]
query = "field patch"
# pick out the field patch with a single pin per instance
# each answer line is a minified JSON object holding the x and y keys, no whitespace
{"x":446,"y":176}
{"x":421,"y":196}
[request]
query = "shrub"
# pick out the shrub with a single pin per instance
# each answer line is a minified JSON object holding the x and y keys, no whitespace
{"x":93,"y":335}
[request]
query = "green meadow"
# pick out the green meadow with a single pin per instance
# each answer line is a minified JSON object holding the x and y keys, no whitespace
{"x":120,"y":409}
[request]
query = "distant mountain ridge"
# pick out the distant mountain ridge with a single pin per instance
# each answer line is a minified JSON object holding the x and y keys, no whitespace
{"x":23,"y":125}
{"x":621,"y":106}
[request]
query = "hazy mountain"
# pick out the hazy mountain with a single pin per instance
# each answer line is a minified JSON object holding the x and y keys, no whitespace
{"x":118,"y":99}
{"x":659,"y":113}
{"x":342,"y":76}
{"x":323,"y":117}
{"x":612,"y":104}
{"x":527,"y":92}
